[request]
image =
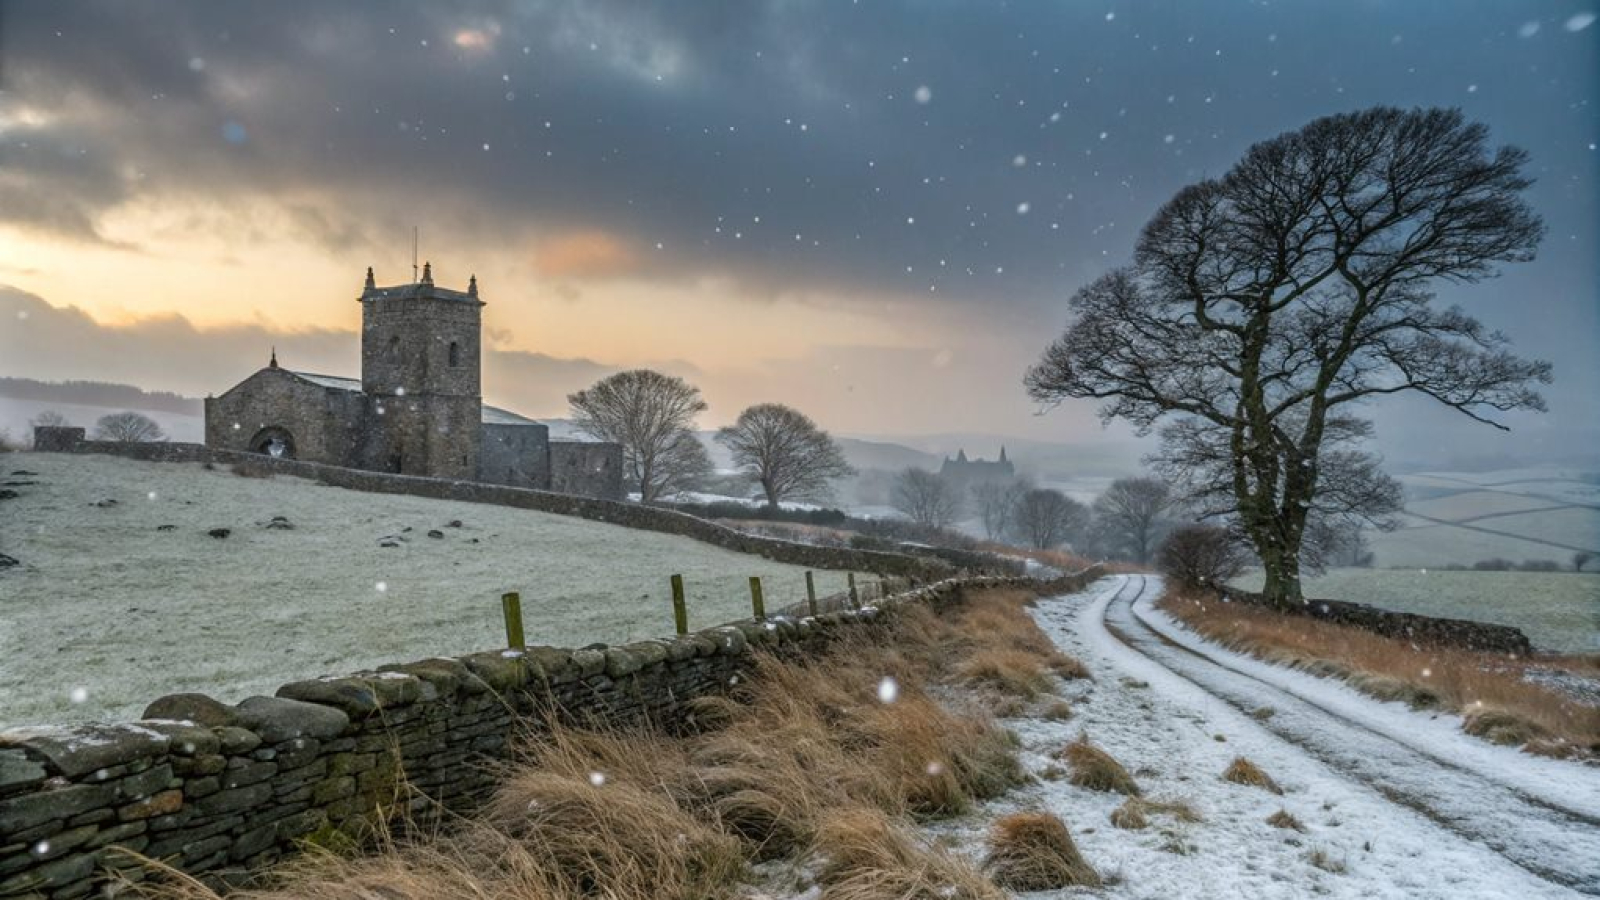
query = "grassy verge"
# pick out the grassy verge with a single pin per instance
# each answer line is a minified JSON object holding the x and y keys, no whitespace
{"x":1486,"y":689}
{"x":827,"y":764}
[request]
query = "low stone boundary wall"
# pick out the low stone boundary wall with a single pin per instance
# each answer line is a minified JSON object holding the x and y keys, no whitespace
{"x":628,"y":515}
{"x":222,"y":791}
{"x":1423,"y":630}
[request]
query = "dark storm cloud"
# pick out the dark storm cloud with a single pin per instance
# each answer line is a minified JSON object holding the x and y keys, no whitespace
{"x":785,"y":143}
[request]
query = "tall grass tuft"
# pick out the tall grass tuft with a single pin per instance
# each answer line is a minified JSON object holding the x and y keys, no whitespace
{"x":1033,"y":851}
{"x":1096,"y":769}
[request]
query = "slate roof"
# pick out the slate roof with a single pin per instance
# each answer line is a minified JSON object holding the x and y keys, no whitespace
{"x":491,"y":415}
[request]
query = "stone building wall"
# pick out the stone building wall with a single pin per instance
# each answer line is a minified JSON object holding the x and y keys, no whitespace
{"x":593,"y":470}
{"x":405,"y":343}
{"x":517,"y":455}
{"x":326,"y":424}
{"x":221,"y":791}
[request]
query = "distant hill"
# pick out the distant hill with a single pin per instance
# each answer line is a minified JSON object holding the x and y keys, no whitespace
{"x":99,"y":393}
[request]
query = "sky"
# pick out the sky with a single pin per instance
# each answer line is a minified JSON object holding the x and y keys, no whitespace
{"x":874,"y":211}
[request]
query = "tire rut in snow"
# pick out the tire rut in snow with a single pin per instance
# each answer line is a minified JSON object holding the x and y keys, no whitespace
{"x":1555,"y":844}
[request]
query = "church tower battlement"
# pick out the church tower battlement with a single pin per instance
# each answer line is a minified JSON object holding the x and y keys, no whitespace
{"x":421,"y":367}
{"x":421,"y":339}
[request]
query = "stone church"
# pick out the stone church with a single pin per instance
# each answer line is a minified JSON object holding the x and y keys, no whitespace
{"x":964,"y":473}
{"x":417,"y":408}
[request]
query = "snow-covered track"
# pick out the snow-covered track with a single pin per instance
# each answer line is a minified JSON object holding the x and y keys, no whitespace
{"x":1541,"y":815}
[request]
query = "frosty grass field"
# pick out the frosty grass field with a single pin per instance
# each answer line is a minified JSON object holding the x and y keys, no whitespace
{"x":1557,"y":610}
{"x":117,"y":604}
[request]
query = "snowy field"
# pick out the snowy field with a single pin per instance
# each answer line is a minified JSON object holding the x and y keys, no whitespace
{"x":1459,"y":518}
{"x":1177,"y":739}
{"x":122,"y":596}
{"x":1557,"y":610}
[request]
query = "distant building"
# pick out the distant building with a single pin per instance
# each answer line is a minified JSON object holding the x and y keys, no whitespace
{"x":417,"y":408}
{"x":964,"y":473}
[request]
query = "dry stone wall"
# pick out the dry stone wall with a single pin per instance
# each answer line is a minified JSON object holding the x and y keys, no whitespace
{"x":1427,"y":630}
{"x":221,"y":791}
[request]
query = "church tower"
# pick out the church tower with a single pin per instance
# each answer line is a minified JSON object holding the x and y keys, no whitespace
{"x":421,"y":361}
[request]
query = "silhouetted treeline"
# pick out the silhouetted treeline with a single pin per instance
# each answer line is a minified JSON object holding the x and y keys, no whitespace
{"x":98,"y":393}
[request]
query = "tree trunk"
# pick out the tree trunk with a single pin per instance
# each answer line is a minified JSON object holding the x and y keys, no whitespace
{"x":1282,"y":566}
{"x":772,"y":495}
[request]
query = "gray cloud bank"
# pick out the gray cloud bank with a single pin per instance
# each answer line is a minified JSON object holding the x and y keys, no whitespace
{"x":986,"y":158}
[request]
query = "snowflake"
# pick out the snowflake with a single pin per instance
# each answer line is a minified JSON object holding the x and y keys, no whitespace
{"x":888,"y":690}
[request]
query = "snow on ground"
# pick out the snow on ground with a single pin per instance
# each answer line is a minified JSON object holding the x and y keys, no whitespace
{"x":116,"y":605}
{"x":1177,"y":740}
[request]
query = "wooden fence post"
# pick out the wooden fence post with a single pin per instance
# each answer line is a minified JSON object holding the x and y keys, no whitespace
{"x":855,"y":596}
{"x":757,"y":604}
{"x":680,"y":606}
{"x":811,"y":593}
{"x":511,"y":605}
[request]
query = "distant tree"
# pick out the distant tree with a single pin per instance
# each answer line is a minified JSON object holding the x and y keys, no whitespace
{"x":128,"y":426}
{"x":1581,"y":559}
{"x":1129,"y":516}
{"x":652,"y":416}
{"x":1045,"y":518}
{"x":1339,"y":542}
{"x":1540,"y":565}
{"x":925,"y":498}
{"x":1202,"y":557}
{"x":7,"y":444}
{"x":48,"y":418}
{"x":1264,"y":306}
{"x":996,"y":505}
{"x":785,"y":452}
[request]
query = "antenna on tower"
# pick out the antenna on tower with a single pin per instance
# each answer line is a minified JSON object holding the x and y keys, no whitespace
{"x":414,"y":238}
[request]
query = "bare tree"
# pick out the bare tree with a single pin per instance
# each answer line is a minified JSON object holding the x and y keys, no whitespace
{"x":783,"y":450}
{"x":996,"y":504}
{"x":1130,"y":514}
{"x":1262,"y":307}
{"x":1202,"y":557}
{"x":652,"y":416}
{"x":925,"y":498}
{"x":1045,"y":518}
{"x":48,"y":418}
{"x":1581,"y":559}
{"x":128,"y":426}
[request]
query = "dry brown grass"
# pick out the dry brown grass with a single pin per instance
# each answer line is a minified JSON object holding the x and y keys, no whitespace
{"x":1286,"y":820}
{"x":1056,"y":711}
{"x":1033,"y":851}
{"x":866,"y":856}
{"x":1013,"y":672}
{"x":1488,"y":689}
{"x":1096,"y":770}
{"x":613,"y":837}
{"x":1325,"y":861}
{"x":802,"y":759}
{"x":1243,"y":771}
{"x":1134,"y":814}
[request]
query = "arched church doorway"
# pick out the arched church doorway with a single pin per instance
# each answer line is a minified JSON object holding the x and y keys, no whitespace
{"x":273,"y":441}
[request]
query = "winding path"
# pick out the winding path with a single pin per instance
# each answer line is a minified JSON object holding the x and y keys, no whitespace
{"x":1541,"y":815}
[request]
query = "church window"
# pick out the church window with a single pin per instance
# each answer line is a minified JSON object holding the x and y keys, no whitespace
{"x":455,"y":354}
{"x":393,"y":350}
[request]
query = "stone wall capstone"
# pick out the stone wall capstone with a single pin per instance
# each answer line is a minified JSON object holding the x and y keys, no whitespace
{"x":221,"y":791}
